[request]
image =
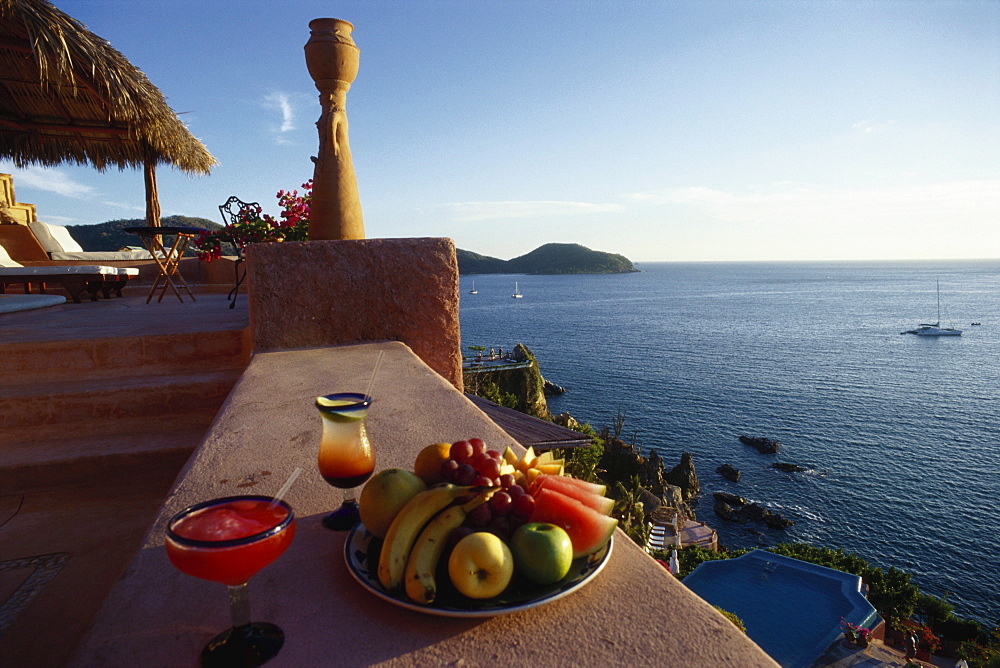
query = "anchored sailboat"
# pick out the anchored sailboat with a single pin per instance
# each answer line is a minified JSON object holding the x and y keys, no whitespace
{"x":935,"y":329}
{"x":473,"y":291}
{"x":517,"y":293}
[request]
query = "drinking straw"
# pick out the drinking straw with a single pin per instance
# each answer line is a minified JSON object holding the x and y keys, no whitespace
{"x":378,"y":363}
{"x":284,"y":488}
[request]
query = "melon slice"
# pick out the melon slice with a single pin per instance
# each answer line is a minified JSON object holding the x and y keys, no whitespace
{"x":572,"y":488}
{"x":527,"y":460}
{"x":567,"y":481}
{"x":551,"y":468}
{"x":545,"y":458}
{"x":588,"y":529}
{"x":510,"y":456}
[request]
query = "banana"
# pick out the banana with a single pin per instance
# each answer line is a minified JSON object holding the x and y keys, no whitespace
{"x":422,"y":564}
{"x":405,"y":528}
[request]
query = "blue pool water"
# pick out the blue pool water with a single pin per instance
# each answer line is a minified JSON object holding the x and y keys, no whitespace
{"x":791,"y":609}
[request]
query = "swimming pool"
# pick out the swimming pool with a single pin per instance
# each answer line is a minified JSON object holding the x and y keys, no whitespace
{"x":790,"y":608}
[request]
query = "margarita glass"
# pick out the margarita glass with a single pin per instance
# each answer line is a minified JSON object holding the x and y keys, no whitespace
{"x":228,"y":541}
{"x":346,"y":458}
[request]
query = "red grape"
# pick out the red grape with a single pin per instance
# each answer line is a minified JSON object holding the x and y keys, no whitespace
{"x":495,"y":454}
{"x":479,"y":460}
{"x":478,"y":445}
{"x":489,"y":468}
{"x":507,"y":480}
{"x":461,"y":451}
{"x":516,"y":491}
{"x":480,"y":516}
{"x":523,"y":506}
{"x":483,"y":481}
{"x":465,"y":475}
{"x":448,"y":468}
{"x":500,"y":503}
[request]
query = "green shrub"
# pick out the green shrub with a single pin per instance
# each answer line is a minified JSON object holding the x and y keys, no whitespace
{"x":737,"y":622}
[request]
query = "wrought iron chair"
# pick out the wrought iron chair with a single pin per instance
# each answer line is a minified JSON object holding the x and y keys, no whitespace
{"x":231,"y":212}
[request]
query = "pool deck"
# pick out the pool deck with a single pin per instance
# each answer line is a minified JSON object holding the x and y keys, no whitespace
{"x":842,"y":655}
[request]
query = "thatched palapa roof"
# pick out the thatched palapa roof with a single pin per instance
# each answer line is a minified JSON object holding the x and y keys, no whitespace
{"x":66,"y":95}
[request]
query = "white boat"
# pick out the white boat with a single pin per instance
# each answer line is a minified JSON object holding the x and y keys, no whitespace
{"x":473,"y":291}
{"x":935,"y":329}
{"x":517,"y":293}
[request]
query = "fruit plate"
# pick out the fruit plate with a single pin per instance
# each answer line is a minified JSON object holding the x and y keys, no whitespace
{"x":361,"y":552}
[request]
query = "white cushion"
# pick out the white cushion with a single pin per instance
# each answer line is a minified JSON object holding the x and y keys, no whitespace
{"x":65,"y":270}
{"x":102,"y":256}
{"x":127,"y":271}
{"x":54,"y":238}
{"x":5,"y":260}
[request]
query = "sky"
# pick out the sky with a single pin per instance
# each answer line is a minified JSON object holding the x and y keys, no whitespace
{"x":664,"y":131}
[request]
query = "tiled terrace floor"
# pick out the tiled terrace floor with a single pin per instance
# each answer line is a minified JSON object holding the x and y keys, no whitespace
{"x":79,"y":536}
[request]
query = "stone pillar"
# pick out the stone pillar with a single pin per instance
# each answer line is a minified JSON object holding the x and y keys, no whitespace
{"x":332,"y":59}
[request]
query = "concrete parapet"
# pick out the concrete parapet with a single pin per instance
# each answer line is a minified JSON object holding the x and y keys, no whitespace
{"x":322,"y":293}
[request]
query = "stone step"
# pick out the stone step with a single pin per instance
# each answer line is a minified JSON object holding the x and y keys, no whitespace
{"x":31,"y":412}
{"x":42,"y":361}
{"x":65,"y":461}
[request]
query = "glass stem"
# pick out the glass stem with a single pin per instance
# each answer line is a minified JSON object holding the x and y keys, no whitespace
{"x":349,"y":495}
{"x":239,"y":604}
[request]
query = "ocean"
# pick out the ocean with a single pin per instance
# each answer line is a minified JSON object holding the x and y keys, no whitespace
{"x":900,"y":434}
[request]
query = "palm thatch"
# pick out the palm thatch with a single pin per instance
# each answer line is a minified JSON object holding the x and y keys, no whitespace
{"x":66,"y":95}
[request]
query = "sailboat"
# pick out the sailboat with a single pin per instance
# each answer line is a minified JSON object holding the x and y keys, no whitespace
{"x":517,"y":293}
{"x":473,"y":291}
{"x":935,"y":329}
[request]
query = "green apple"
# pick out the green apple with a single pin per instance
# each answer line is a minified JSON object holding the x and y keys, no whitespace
{"x":542,"y":552}
{"x":481,"y":565}
{"x":384,"y":495}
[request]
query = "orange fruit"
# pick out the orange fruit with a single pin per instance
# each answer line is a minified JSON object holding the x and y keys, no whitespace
{"x":428,"y":464}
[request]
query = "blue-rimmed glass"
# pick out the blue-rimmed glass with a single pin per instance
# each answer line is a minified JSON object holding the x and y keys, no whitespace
{"x":232,"y":562}
{"x":346,"y":458}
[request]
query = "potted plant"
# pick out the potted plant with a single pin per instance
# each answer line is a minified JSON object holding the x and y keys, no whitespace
{"x":850,"y":630}
{"x":864,"y":637}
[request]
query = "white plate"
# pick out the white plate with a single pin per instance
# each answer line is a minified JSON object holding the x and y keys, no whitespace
{"x":361,"y":554}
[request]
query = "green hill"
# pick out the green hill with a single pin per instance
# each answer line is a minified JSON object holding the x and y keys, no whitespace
{"x":547,"y":259}
{"x":111,"y":236}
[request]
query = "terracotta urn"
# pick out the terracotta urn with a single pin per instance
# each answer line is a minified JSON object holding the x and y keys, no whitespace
{"x":331,"y":53}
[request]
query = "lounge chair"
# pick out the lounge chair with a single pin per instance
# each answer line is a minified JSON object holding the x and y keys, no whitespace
{"x":76,"y":279}
{"x":59,"y":244}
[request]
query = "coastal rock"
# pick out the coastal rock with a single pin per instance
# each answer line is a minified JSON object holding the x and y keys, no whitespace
{"x":568,"y":421}
{"x":684,"y":476}
{"x":735,"y":509}
{"x":726,"y":511}
{"x":788,"y":468}
{"x":552,"y":390}
{"x":526,"y":384}
{"x":731,"y":499}
{"x":764,"y":445}
{"x":729,"y":472}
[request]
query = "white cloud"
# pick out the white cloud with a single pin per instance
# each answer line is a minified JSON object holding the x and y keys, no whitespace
{"x":283,"y":103}
{"x":465,"y":212}
{"x":126,"y":206}
{"x":47,"y":179}
{"x":948,"y":202}
{"x":868,"y":127}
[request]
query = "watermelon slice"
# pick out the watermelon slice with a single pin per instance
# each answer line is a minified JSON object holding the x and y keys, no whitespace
{"x":565,"y":481}
{"x":588,"y":529}
{"x":575,"y":489}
